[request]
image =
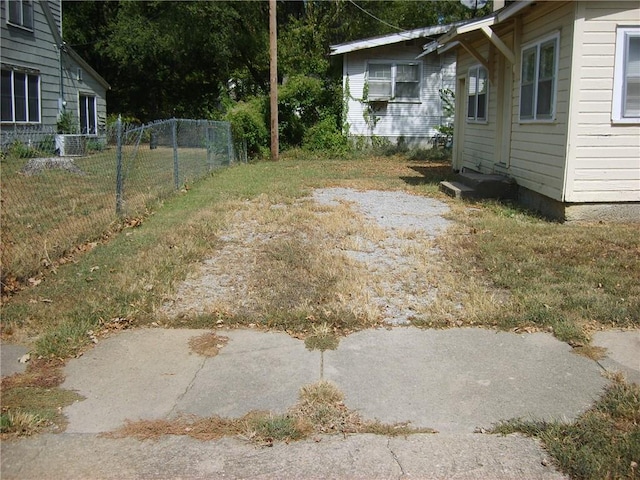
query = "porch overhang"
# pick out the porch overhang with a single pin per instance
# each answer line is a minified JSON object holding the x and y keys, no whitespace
{"x":459,"y":34}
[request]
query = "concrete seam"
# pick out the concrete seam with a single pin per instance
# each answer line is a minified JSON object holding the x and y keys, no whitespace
{"x":189,"y":387}
{"x":397,"y":460}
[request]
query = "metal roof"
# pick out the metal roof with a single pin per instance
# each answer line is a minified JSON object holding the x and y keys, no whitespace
{"x":391,"y":38}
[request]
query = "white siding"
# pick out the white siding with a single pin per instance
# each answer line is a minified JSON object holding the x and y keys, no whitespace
{"x":479,"y":144}
{"x":415,"y":121}
{"x":538,"y":149}
{"x":603,"y":158}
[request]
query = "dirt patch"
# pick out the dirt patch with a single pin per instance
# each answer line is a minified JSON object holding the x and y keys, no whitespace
{"x":209,"y":344}
{"x":38,"y":165}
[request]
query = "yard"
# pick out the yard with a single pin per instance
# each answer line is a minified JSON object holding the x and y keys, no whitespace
{"x":51,"y":206}
{"x":497,"y":265}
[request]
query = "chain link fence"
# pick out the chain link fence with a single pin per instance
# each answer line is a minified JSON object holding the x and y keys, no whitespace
{"x":61,"y":191}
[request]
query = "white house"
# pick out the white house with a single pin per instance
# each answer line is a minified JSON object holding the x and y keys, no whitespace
{"x":549,"y":96}
{"x":392,"y":87}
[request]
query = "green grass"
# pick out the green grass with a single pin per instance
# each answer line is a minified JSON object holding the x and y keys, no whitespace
{"x":603,"y":443}
{"x":570,"y":279}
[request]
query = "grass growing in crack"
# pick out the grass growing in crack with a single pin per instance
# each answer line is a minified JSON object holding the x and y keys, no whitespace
{"x":322,"y":338}
{"x":603,"y":443}
{"x":320,"y":410}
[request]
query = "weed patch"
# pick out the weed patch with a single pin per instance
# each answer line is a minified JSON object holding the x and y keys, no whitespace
{"x":320,"y":410}
{"x":602,"y":443}
{"x":32,"y":401}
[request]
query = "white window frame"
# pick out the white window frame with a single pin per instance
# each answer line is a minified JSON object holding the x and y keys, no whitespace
{"x":536,"y":117}
{"x":23,"y":6}
{"x":393,"y":64}
{"x":474,"y":72}
{"x":27,"y":112}
{"x":620,"y":75}
{"x":83,"y":109}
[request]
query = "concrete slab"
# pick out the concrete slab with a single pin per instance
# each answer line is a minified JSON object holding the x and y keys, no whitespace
{"x":468,"y":456}
{"x":138,"y":374}
{"x":458,"y":380}
{"x":10,"y":355}
{"x":254,"y":371}
{"x":623,"y":352}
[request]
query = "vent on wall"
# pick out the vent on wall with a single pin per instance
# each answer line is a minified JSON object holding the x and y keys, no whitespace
{"x":71,"y":145}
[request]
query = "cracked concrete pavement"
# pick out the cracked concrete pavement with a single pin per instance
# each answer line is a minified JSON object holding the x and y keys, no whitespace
{"x":454,"y":380}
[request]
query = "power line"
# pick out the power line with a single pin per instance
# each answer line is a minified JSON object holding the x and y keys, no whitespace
{"x":378,"y":19}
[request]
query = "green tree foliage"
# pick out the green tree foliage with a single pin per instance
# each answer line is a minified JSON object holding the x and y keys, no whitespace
{"x":182,"y":59}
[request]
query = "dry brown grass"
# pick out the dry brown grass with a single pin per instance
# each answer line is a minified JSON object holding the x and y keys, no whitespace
{"x":320,"y":410}
{"x":32,"y":401}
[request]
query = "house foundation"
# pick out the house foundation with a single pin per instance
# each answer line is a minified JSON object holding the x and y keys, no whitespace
{"x":628,"y":212}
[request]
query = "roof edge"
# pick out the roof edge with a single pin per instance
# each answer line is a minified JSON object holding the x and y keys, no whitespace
{"x":82,"y":62}
{"x":390,"y":39}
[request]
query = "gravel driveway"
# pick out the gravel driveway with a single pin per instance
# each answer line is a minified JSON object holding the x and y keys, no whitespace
{"x":397,"y":260}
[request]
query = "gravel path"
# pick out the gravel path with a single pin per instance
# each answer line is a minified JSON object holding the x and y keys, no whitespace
{"x":398,"y":262}
{"x":406,"y":218}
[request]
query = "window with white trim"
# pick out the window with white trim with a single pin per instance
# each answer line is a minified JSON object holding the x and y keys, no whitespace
{"x":20,"y":97}
{"x":20,"y":13}
{"x":626,"y":78}
{"x":388,"y":80}
{"x":88,"y":117}
{"x":477,"y":94}
{"x":538,"y":79}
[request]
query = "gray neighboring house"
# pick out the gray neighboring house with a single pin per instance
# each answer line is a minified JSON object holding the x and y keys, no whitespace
{"x":42,"y":76}
{"x":394,"y":85}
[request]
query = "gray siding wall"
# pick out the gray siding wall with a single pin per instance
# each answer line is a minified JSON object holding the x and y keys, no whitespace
{"x":35,"y":50}
{"x":415,"y":121}
{"x":85,"y":85}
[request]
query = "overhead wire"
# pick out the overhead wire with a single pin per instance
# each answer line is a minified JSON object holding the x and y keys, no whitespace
{"x":376,"y":18}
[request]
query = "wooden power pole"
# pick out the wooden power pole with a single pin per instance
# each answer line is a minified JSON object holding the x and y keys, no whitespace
{"x":273,"y":78}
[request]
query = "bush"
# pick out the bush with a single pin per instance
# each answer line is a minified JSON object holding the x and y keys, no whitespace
{"x":299,"y":101}
{"x":325,"y":136}
{"x":248,"y":124}
{"x":19,"y":149}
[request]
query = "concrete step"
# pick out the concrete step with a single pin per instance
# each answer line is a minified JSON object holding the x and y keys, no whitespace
{"x":457,"y":190}
{"x":489,"y":186}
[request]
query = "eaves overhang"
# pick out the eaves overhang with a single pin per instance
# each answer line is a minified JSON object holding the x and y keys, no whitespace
{"x":489,"y":21}
{"x":383,"y":40}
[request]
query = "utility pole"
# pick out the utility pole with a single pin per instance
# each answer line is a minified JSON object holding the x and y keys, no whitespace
{"x":273,"y":78}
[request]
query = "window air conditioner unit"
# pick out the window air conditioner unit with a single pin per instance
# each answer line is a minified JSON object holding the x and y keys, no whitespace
{"x":71,"y":145}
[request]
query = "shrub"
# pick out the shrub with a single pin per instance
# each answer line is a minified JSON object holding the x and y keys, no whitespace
{"x":325,"y":136}
{"x":299,"y":101}
{"x":248,"y":124}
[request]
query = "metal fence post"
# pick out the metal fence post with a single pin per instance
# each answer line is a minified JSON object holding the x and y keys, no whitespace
{"x":229,"y":145}
{"x":210,"y":139}
{"x":176,"y":170}
{"x":119,"y":166}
